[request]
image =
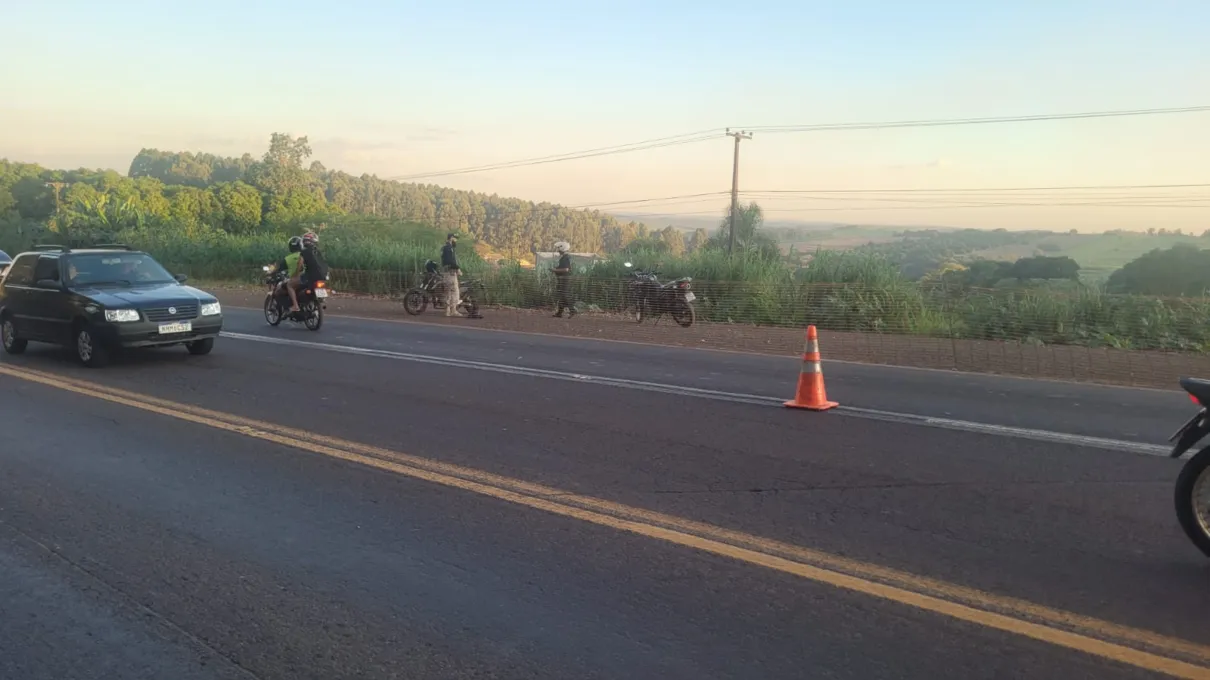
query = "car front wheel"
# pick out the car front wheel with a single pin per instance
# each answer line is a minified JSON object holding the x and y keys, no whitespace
{"x":8,"y":336}
{"x":89,"y":350}
{"x":200,"y":347}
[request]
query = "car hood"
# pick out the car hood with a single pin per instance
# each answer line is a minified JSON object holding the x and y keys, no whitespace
{"x":143,"y":296}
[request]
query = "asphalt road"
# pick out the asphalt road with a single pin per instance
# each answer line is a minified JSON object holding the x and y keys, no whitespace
{"x":1130,"y":414}
{"x":139,"y":543}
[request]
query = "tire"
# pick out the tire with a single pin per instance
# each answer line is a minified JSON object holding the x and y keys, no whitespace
{"x":314,"y":319}
{"x":273,"y":313}
{"x":8,"y":337}
{"x":89,"y":352}
{"x":415,"y":302}
{"x":200,"y":348}
{"x":1196,"y":527}
{"x":684,"y":314}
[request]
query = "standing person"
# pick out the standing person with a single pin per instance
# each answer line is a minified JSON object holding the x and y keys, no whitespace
{"x":449,"y":263}
{"x":562,"y":273}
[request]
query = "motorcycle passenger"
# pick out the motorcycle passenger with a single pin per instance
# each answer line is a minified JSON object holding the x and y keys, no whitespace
{"x":562,"y":272}
{"x":449,"y":262}
{"x":315,"y":268}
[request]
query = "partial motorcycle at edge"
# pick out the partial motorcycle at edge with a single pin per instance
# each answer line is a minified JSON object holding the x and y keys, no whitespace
{"x":1192,"y":493}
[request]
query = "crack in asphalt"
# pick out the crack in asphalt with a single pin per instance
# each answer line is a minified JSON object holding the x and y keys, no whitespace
{"x":129,"y":600}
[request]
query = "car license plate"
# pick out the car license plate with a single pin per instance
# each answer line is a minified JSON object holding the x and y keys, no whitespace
{"x":170,"y":328}
{"x":321,"y":292}
{"x":690,"y":297}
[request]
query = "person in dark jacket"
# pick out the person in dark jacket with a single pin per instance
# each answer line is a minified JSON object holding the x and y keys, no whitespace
{"x":562,"y":272}
{"x":449,"y":266}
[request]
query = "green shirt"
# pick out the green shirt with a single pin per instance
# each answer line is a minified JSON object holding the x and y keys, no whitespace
{"x":294,"y":264}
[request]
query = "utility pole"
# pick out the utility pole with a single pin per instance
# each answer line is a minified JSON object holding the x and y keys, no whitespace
{"x":738,"y":135}
{"x":54,"y":220}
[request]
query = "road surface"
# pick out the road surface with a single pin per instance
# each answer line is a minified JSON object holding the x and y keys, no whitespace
{"x":463,"y":514}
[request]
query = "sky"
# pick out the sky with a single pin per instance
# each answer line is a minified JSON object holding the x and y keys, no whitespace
{"x":405,"y":88}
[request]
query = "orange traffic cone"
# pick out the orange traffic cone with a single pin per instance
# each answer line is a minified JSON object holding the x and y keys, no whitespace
{"x":811,"y":394}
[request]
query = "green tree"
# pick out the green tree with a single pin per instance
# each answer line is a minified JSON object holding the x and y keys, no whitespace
{"x":1183,"y":269}
{"x":240,"y":205}
{"x":1042,"y":267}
{"x":190,"y":207}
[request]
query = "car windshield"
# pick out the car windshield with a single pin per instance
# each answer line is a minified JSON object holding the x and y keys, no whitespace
{"x":95,"y":269}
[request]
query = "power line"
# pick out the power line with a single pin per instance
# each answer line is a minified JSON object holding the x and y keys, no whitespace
{"x":975,"y":121}
{"x":704,"y":135}
{"x":593,"y":206}
{"x":966,"y":206}
{"x":1089,"y":187}
{"x":659,"y":142}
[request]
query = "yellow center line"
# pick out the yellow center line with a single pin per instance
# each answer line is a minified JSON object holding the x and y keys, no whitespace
{"x":1136,"y":647}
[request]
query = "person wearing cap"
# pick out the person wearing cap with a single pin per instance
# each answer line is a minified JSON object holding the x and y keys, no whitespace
{"x":449,"y":266}
{"x":562,"y":272}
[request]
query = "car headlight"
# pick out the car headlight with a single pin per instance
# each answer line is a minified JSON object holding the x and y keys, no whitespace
{"x":121,"y":315}
{"x":211,"y":309}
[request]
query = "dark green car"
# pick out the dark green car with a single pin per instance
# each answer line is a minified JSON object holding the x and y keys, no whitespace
{"x":100,"y":299}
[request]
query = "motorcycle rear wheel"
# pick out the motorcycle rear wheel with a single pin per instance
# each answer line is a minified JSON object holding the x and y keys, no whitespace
{"x":314,"y":315}
{"x":1192,"y":496}
{"x":684,"y":314}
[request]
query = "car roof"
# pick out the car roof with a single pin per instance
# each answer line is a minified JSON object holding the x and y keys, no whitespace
{"x":4,"y":257}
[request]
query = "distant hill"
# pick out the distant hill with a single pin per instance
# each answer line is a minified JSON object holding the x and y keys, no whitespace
{"x":923,"y":250}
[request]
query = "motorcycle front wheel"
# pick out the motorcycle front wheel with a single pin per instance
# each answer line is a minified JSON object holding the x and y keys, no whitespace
{"x":272,"y":311}
{"x":414,"y":301}
{"x":1192,"y":496}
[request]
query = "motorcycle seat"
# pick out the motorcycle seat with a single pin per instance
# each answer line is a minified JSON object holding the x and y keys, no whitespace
{"x":1198,"y":387}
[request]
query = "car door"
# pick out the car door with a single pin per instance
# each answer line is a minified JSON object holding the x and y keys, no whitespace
{"x":15,"y":297}
{"x":49,"y":300}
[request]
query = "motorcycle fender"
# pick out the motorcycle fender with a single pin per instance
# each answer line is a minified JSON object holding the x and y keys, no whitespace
{"x":1190,"y":433}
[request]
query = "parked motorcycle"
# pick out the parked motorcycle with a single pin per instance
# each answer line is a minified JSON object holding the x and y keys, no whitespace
{"x":312,"y":301}
{"x":431,"y":290}
{"x":654,"y":299}
{"x":1192,"y":493}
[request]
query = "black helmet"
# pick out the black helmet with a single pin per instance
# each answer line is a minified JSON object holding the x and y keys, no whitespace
{"x":295,"y":244}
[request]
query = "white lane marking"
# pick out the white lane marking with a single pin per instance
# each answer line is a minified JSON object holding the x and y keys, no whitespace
{"x":720,"y":395}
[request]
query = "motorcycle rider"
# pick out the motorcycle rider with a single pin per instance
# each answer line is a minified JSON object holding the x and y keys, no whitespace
{"x":291,"y":263}
{"x":449,"y":263}
{"x":562,"y":272}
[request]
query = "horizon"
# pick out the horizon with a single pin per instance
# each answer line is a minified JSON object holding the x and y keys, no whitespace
{"x":377,"y":95}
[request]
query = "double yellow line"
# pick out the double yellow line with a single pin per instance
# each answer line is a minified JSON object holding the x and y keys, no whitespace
{"x":1122,"y":644}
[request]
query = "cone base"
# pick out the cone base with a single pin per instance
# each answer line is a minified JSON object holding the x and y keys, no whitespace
{"x":812,"y":407}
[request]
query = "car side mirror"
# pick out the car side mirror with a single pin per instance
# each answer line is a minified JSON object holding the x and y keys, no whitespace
{"x":180,"y":278}
{"x":49,"y":284}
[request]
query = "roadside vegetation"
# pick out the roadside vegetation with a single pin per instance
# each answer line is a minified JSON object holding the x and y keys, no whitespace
{"x":220,"y":219}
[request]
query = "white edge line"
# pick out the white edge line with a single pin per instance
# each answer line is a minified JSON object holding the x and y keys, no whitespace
{"x":748,"y":353}
{"x":719,"y":395}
